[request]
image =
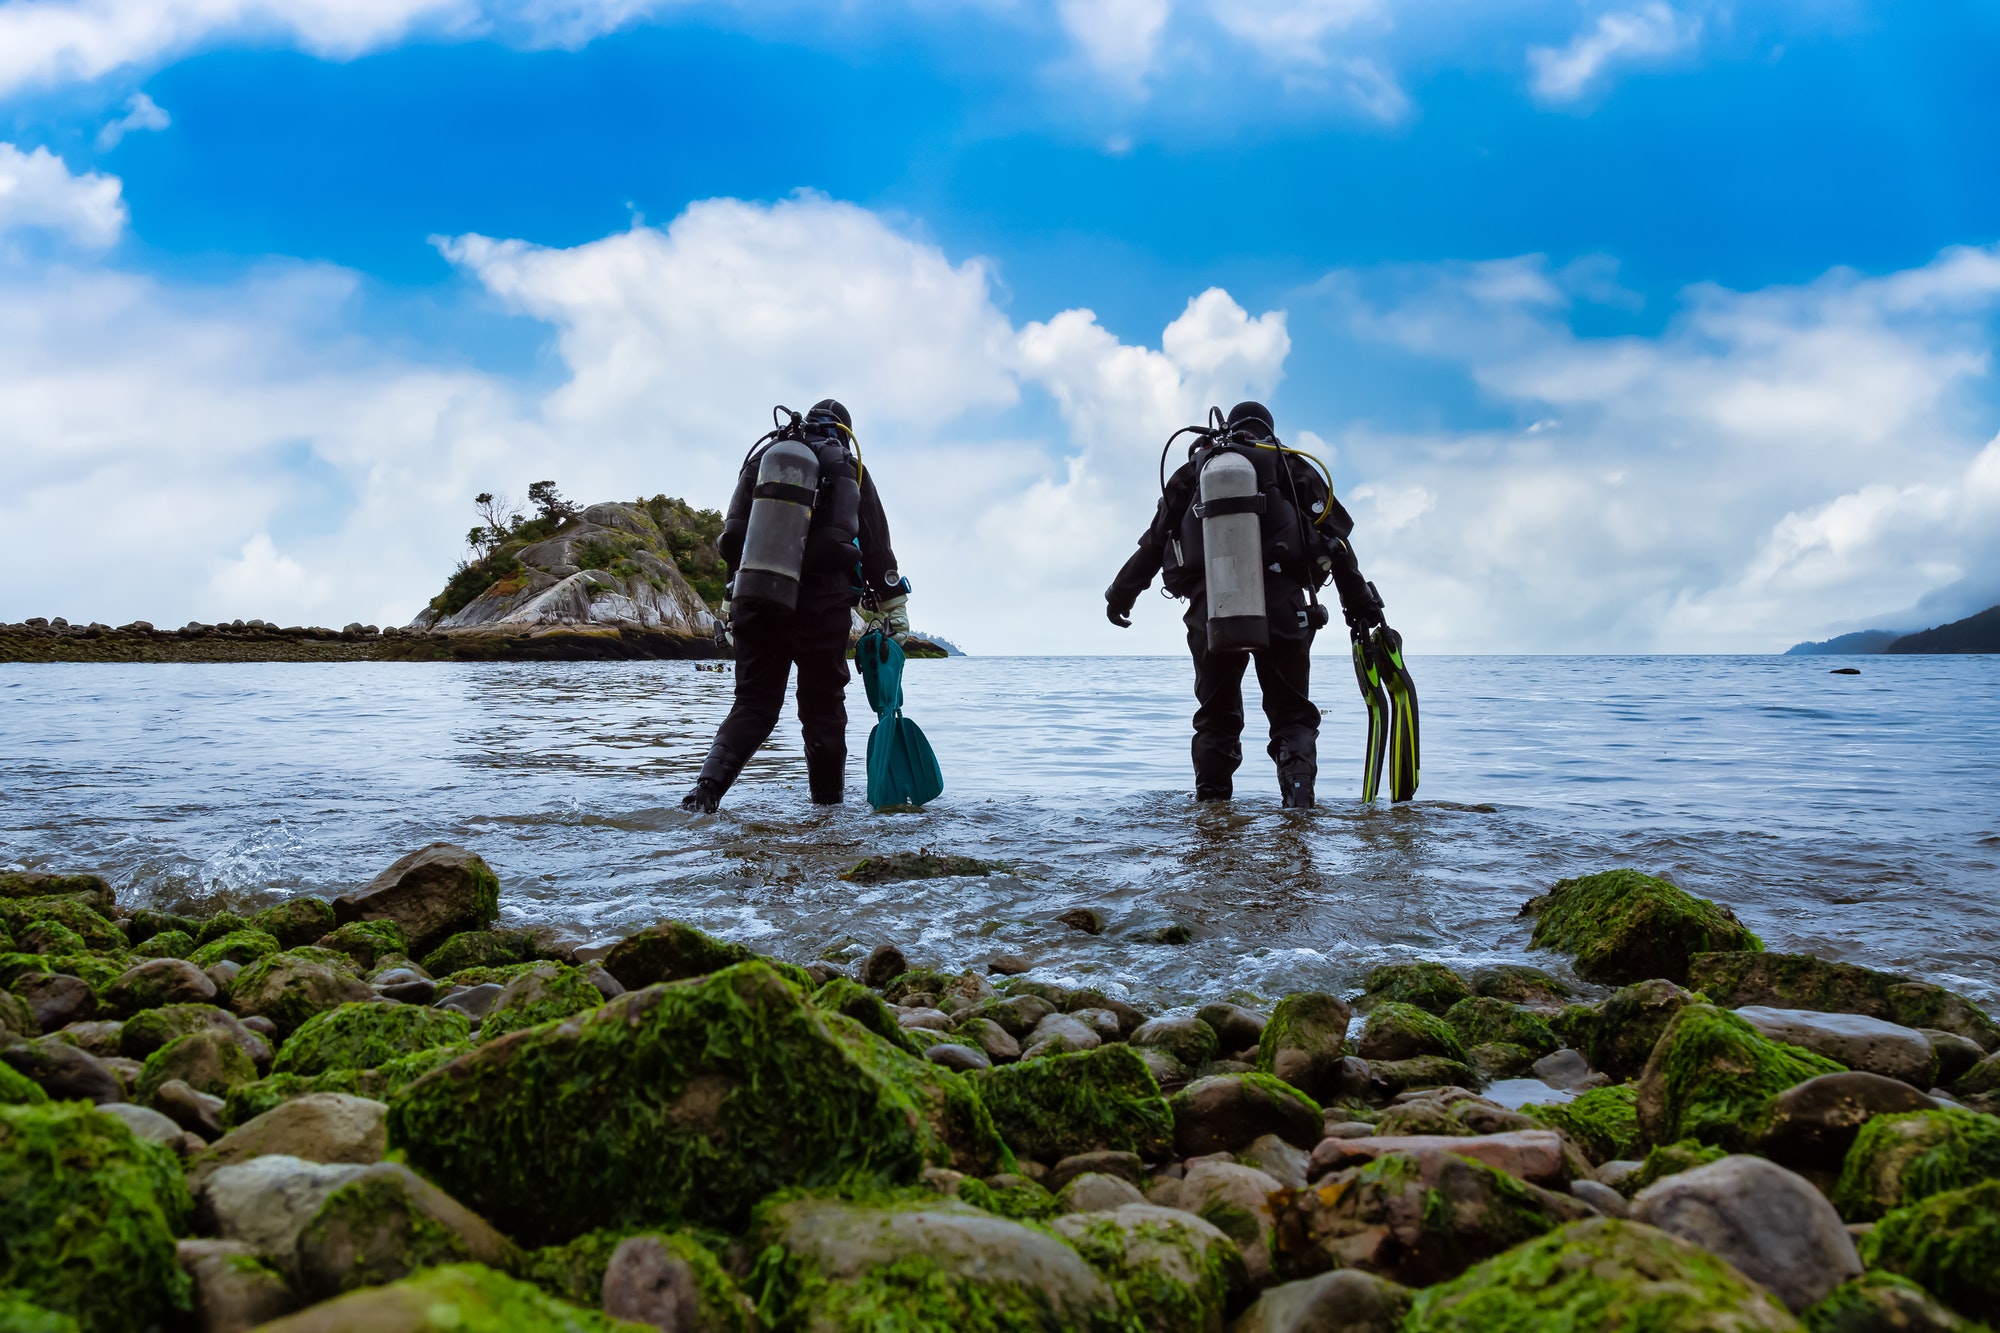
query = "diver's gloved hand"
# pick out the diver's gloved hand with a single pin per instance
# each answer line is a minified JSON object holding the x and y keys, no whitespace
{"x":1117,"y":612}
{"x":896,"y":617}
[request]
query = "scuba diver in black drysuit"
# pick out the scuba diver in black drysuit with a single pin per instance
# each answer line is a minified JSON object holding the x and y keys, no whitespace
{"x":1248,"y":531}
{"x":805,"y":541}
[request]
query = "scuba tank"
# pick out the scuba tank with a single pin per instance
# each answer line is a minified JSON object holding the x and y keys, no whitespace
{"x":1232,"y":542}
{"x":781,"y":511}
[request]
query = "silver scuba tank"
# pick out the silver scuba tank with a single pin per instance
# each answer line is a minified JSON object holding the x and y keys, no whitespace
{"x":774,"y":543}
{"x":1232,"y":542}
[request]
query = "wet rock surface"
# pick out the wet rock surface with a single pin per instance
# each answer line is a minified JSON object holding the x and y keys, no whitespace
{"x":1770,"y":1224}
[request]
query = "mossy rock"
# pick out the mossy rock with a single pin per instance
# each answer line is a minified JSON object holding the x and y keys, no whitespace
{"x":464,"y":1298}
{"x":208,"y":1061}
{"x":1173,"y":1272}
{"x":1899,"y":1160}
{"x":17,"y":1089}
{"x":1949,"y":1244}
{"x":1015,"y":1196}
{"x":91,"y":1216}
{"x":683,"y":1104}
{"x":1432,"y":987}
{"x":573,"y":1271}
{"x":296,"y":921}
{"x":368,"y":1035}
{"x":1483,"y":1019}
{"x":14,"y":966}
{"x":1573,"y":1024}
{"x":17,"y":1018}
{"x":91,"y":890}
{"x":49,"y":938}
{"x":1711,"y":1077}
{"x":893,"y":866}
{"x":242,"y":947}
{"x":1600,"y":1274}
{"x":220,"y":925}
{"x":89,"y":925}
{"x":1801,"y":981}
{"x":1398,"y":1031}
{"x":291,"y":987}
{"x":670,"y":951}
{"x":920,"y":981}
{"x":368,"y":943}
{"x":18,"y":1314}
{"x":250,"y":1100}
{"x":1669,"y":1159}
{"x":842,"y":995}
{"x":483,"y":976}
{"x":1603,"y":1122}
{"x":1621,"y":1037}
{"x":1304,"y":1041}
{"x":100,"y":970}
{"x":1881,"y":1302}
{"x":1518,"y":983}
{"x":150,"y":1029}
{"x":548,"y":993}
{"x":1624,"y":926}
{"x":479,"y":948}
{"x":165,"y":944}
{"x":146,"y":923}
{"x":1056,"y":1106}
{"x":834,"y":1266}
{"x":1423,"y":1071}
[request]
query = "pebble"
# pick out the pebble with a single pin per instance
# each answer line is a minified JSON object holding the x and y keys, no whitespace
{"x":195,"y":1111}
{"x":964,"y":1059}
{"x":1092,"y":1192}
{"x":1125,"y":1165}
{"x":1533,"y":1155}
{"x":475,"y":1002}
{"x":1607,"y":1201}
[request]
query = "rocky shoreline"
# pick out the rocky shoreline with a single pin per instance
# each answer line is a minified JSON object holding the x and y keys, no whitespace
{"x":43,"y":640}
{"x":384,"y":1113}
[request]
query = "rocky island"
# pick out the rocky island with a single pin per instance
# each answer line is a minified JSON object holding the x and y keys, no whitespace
{"x":384,"y":1113}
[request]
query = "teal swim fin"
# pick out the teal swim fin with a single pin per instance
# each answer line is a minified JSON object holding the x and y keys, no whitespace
{"x":1369,"y":677}
{"x":1405,"y":750}
{"x":902,"y":768}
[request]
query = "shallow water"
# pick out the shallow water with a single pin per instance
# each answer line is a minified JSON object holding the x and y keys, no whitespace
{"x":1854,"y":817}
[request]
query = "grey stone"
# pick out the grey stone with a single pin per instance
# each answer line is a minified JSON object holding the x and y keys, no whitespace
{"x":1533,"y":1155}
{"x":1813,"y":1124}
{"x":1168,"y":1072}
{"x":1346,"y":1300}
{"x":475,"y":1002}
{"x":1189,"y":1040}
{"x":1018,"y":1014}
{"x":267,"y":1201}
{"x":1124,"y":1165}
{"x":193,"y":1110}
{"x":1335,"y":1128}
{"x":926,"y":1018}
{"x":1059,"y":1034}
{"x":1768,"y":1222}
{"x":1955,"y":1053}
{"x":1008,"y":965}
{"x":1279,"y":1160}
{"x":1870,"y":1045}
{"x":56,"y":998}
{"x":990,"y":1037}
{"x":98,"y":1038}
{"x":1236,"y":1028}
{"x":432,"y":893}
{"x":318,"y":1127}
{"x":607,"y":985}
{"x":964,"y":1059}
{"x":1236,"y":1200}
{"x":224,"y":974}
{"x":1607,"y":1201}
{"x":1617,"y":1171}
{"x":379,"y":1225}
{"x":1101,"y":1021}
{"x":1228,"y":1112}
{"x":234,"y":1290}
{"x":1095,"y":1193}
{"x":1568,"y":1070}
{"x":1163,"y":1250}
{"x":62,"y":1071}
{"x":883,"y":966}
{"x":405,"y":985}
{"x":158,"y":982}
{"x":647,"y":1283}
{"x":146,"y":1123}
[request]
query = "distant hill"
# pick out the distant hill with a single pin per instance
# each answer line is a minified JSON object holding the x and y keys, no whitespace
{"x":1974,"y":634}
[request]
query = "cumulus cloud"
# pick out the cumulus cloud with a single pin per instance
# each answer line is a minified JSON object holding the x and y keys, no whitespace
{"x":1650,"y":31}
{"x":141,"y":113}
{"x":38,"y":192}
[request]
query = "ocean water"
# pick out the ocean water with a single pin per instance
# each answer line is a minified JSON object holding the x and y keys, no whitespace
{"x":1857,"y":817}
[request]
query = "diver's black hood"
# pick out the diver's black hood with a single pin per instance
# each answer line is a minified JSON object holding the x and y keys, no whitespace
{"x":1253,"y":419}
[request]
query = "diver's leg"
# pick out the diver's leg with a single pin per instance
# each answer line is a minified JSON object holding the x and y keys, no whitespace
{"x":1284,"y":674}
{"x":819,"y":646}
{"x":763,"y":664}
{"x":1218,"y":717}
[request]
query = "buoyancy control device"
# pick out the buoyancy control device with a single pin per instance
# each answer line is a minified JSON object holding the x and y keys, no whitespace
{"x":781,"y":514}
{"x":1230,"y":509}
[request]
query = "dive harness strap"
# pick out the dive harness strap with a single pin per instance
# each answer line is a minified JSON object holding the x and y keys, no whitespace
{"x":785,"y":490}
{"x":1230,"y":504}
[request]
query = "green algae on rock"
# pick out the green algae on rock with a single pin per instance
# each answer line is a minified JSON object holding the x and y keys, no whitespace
{"x":1949,"y":1244}
{"x":1481,"y":1020}
{"x":1712,"y":1076}
{"x":1173,"y":1272}
{"x":1881,"y":1302}
{"x":1304,"y":1041}
{"x":1600,"y":1274}
{"x":480,"y":948}
{"x":296,"y":921}
{"x":842,"y":995}
{"x":242,"y":947}
{"x":91,"y":926}
{"x":544,"y":994}
{"x":17,"y":1017}
{"x":367,"y":1035}
{"x":1518,"y":983}
{"x":1432,"y":987}
{"x":924,"y":864}
{"x":432,"y":893}
{"x":367,"y":944}
{"x":834,"y":1266}
{"x":208,"y":1060}
{"x":147,"y":1031}
{"x":165,"y":944}
{"x":1013,"y":1196}
{"x":683,"y":1103}
{"x":670,"y":951}
{"x":1669,"y":1159}
{"x":462,"y":1298}
{"x":1103,"y":1100}
{"x":1621,"y":1035}
{"x":574,"y":1270}
{"x":91,"y":1216}
{"x":290,"y":987}
{"x":385,"y":1224}
{"x":1801,"y":981}
{"x":1899,"y":1160}
{"x":1604,"y":1122}
{"x":17,"y":1089}
{"x":20,"y":1315}
{"x":91,"y":890}
{"x":1398,"y":1031}
{"x":250,"y":1100}
{"x":1623,"y":926}
{"x":1422,"y":1071}
{"x":222,"y":923}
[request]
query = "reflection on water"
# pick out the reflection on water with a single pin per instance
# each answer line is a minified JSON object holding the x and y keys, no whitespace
{"x":1850,"y":816}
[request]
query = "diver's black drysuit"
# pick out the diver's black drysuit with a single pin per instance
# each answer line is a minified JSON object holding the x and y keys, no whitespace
{"x":842,"y":563}
{"x":1299,"y":556}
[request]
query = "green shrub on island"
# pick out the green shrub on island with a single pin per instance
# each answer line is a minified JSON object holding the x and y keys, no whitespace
{"x":1623,"y":926}
{"x":367,"y":1035}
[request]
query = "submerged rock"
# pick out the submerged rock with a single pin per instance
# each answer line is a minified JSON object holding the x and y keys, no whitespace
{"x":90,"y":1218}
{"x":1095,"y":1101}
{"x":432,"y":894}
{"x":1624,"y":926}
{"x":1771,"y":1224}
{"x":1712,"y":1076}
{"x":1601,"y":1274}
{"x":683,"y":1103}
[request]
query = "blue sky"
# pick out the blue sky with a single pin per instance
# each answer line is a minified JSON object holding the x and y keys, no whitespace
{"x":1625,"y":327}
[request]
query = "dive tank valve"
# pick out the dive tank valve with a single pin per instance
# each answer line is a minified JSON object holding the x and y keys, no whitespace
{"x":781,"y":508}
{"x":1233,"y":550}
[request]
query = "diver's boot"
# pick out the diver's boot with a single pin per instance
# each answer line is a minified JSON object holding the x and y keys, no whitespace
{"x":1295,"y":785}
{"x":826,"y":775}
{"x":1212,"y":793}
{"x":704,"y":796}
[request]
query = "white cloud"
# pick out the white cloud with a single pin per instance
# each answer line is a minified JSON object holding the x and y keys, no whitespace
{"x":38,"y":192}
{"x":141,"y":113}
{"x":1647,"y":32}
{"x":1119,"y":38}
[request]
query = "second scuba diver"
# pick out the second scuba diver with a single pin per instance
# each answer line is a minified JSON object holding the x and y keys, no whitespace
{"x":1248,"y":532}
{"x":805,"y":540}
